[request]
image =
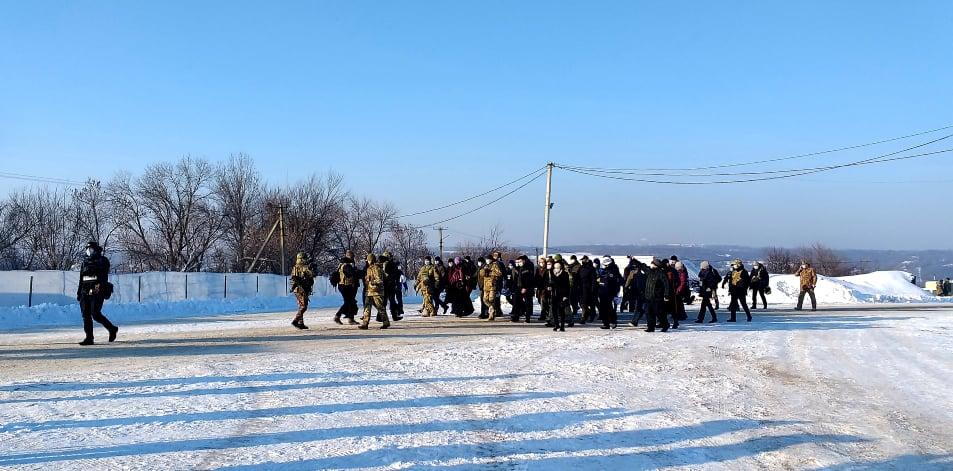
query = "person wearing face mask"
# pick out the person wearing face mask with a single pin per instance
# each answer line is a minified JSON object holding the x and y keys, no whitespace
{"x":441,"y":285}
{"x":588,"y":289}
{"x":759,"y":285}
{"x":425,"y":285}
{"x":557,"y":283}
{"x":610,"y":281}
{"x":708,"y":280}
{"x":347,"y":278}
{"x":808,"y":278}
{"x":477,"y":283}
{"x":302,"y":284}
{"x":738,"y":281}
{"x":682,"y":291}
{"x":574,"y":285}
{"x":636,"y":285}
{"x":658,"y":291}
{"x":509,"y":285}
{"x":526,"y":286}
{"x":542,"y":294}
{"x":491,"y":277}
{"x":93,"y":289}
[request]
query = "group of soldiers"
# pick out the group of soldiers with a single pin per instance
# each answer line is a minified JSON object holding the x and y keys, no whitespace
{"x":566,"y":290}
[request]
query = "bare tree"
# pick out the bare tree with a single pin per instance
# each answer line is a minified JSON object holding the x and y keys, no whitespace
{"x":15,"y":223}
{"x":54,"y":238}
{"x":494,"y":241}
{"x":97,"y":214}
{"x":362,"y":224}
{"x":825,"y":260}
{"x":409,"y":245}
{"x":239,"y":194}
{"x":170,"y":219}
{"x":780,"y":260}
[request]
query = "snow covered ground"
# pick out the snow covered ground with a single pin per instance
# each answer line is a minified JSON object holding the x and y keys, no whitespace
{"x":849,"y":388}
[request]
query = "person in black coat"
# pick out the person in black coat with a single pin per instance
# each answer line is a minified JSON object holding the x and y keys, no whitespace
{"x":557,"y":284}
{"x":610,"y":281}
{"x":708,"y":280}
{"x":525,"y":284}
{"x":93,"y":290}
{"x":635,"y":282}
{"x":759,"y":285}
{"x":738,"y":281}
{"x":587,"y":290}
{"x":658,"y":291}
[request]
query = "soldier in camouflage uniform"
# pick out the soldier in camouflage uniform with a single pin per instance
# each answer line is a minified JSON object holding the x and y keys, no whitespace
{"x":302,"y":282}
{"x":491,"y":278}
{"x":374,"y":296}
{"x":426,"y":286}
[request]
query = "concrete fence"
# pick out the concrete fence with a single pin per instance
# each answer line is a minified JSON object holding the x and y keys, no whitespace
{"x":29,"y":288}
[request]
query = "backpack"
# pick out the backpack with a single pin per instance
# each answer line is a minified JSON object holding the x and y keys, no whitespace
{"x":335,"y":278}
{"x":106,"y":290}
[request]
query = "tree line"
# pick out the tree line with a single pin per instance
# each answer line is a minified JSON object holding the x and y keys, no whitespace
{"x":195,"y":215}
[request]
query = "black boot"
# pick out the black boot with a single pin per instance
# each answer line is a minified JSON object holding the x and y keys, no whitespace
{"x":337,"y":320}
{"x":115,"y":330}
{"x":86,"y":342}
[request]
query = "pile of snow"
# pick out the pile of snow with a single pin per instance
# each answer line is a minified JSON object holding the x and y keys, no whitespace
{"x":876,"y":287}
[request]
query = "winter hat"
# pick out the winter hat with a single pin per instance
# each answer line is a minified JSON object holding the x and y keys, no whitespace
{"x":705,"y":265}
{"x":572,"y":258}
{"x":595,"y":260}
{"x":674,"y":258}
{"x":457,"y":260}
{"x":679,"y":266}
{"x":606,"y":260}
{"x":557,"y":258}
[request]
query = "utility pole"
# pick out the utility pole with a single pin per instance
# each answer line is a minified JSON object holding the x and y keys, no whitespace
{"x":549,"y":206}
{"x":440,"y":230}
{"x":281,"y":236}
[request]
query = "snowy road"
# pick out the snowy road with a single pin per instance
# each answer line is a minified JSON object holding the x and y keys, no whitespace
{"x":851,"y":388}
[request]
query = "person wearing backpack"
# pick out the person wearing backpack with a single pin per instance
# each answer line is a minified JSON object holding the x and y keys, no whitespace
{"x":391,"y":282}
{"x":302,"y":285}
{"x":346,"y":280}
{"x":759,"y":285}
{"x":374,"y":283}
{"x":94,"y":288}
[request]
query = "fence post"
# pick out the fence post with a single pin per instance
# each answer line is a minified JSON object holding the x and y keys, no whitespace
{"x":140,"y":288}
{"x":186,"y":286}
{"x":256,"y":284}
{"x":30,"y":300}
{"x":225,"y":293}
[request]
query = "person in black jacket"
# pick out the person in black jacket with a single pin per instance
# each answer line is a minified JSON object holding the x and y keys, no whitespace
{"x":587,"y":290}
{"x":759,"y":284}
{"x":92,"y":291}
{"x":658,"y":291}
{"x":635,"y":282}
{"x":708,"y":283}
{"x":525,"y":285}
{"x":392,"y":285}
{"x":738,"y":281}
{"x":557,"y":283}
{"x":610,"y":281}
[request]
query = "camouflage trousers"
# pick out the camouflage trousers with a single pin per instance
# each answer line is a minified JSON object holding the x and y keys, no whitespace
{"x":302,"y":305}
{"x":491,"y":299}
{"x":377,"y":302}
{"x":428,"y":303}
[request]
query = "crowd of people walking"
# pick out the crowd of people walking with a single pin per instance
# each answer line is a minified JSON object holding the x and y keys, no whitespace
{"x":565,"y":291}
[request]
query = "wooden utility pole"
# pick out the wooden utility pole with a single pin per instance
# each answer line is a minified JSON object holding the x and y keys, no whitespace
{"x":549,"y":206}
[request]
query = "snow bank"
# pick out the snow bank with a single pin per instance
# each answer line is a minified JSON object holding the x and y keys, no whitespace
{"x":55,"y":315}
{"x":876,"y":287}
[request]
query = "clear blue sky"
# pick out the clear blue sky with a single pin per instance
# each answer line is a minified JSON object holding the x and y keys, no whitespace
{"x":423,"y":102}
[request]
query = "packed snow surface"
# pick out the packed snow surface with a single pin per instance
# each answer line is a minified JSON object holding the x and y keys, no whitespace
{"x":859,"y":387}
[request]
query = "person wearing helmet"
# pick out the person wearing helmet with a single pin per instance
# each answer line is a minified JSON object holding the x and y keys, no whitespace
{"x":347,"y":279}
{"x":302,"y":284}
{"x":93,"y":289}
{"x":374,"y":295}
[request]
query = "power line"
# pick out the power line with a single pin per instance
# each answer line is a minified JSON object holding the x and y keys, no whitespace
{"x":776,"y":177}
{"x":39,"y":179}
{"x":764,"y":172}
{"x":471,"y":198}
{"x":780,"y":159}
{"x":539,"y":173}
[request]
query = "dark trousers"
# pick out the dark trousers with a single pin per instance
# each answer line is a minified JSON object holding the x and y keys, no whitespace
{"x":349,"y":308}
{"x":92,"y":308}
{"x":544,"y":314}
{"x":607,"y":310}
{"x":526,"y":305}
{"x":574,"y":301}
{"x":655,"y":311}
{"x":738,"y":299}
{"x":800,"y":299}
{"x":754,"y":298}
{"x":706,"y":303}
{"x":437,"y":302}
{"x":559,"y":314}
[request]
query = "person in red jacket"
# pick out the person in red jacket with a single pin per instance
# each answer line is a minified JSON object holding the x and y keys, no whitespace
{"x":682,"y":291}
